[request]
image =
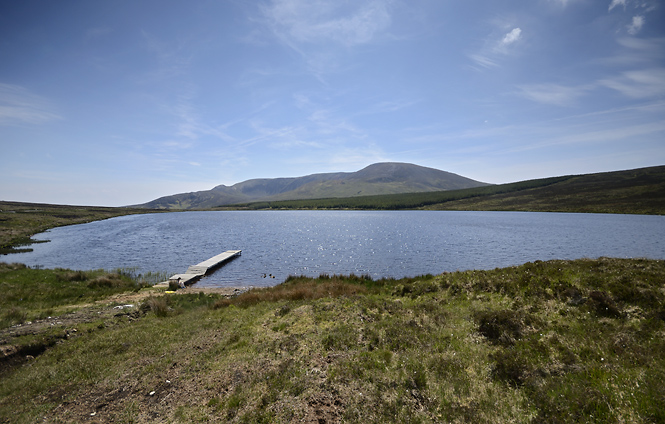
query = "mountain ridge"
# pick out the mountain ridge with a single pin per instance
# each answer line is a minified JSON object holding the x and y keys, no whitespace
{"x":378,"y":178}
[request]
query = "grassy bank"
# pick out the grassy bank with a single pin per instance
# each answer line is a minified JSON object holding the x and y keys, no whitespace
{"x":29,"y":294}
{"x":556,"y":342}
{"x":20,"y":221}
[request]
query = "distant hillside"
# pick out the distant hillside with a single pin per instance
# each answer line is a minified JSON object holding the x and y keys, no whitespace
{"x":637,"y":191}
{"x":380,"y":178}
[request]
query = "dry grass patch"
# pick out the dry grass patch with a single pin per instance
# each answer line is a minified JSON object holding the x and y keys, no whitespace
{"x":294,"y":290}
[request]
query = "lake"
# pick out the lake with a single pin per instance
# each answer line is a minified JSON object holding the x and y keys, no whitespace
{"x":379,"y":243}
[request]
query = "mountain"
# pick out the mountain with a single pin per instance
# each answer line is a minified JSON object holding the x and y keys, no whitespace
{"x":634,"y":191}
{"x":379,"y":178}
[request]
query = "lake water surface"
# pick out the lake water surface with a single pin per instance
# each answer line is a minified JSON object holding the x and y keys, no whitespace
{"x":381,"y":244}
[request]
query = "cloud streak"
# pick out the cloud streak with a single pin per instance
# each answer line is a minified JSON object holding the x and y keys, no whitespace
{"x":616,"y":3}
{"x":640,"y":84}
{"x":312,"y":22}
{"x":496,"y":49}
{"x":19,"y":106}
{"x":323,"y":32}
{"x":553,"y":94}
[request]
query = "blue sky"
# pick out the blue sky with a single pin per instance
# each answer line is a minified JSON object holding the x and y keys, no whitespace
{"x":120,"y":102}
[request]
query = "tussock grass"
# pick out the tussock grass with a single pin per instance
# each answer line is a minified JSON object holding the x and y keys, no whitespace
{"x":297,"y":288}
{"x":157,"y":305}
{"x":13,"y":315}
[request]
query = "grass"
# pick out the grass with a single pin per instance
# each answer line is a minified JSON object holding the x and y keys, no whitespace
{"x":28,"y":294}
{"x":545,"y":342}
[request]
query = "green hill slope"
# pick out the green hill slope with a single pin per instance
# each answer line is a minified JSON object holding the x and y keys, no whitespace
{"x":639,"y":191}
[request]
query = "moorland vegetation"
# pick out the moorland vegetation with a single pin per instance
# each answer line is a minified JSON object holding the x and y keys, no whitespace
{"x":544,"y":342}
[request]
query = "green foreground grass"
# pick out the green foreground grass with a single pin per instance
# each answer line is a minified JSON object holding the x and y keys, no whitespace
{"x":29,"y":294}
{"x":545,"y":342}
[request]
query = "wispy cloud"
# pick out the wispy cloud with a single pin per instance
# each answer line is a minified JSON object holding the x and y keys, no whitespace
{"x":483,"y":61}
{"x":639,"y":84}
{"x":616,"y":3}
{"x":20,"y":106}
{"x":635,"y":84}
{"x":347,"y":23}
{"x":496,"y":48}
{"x":640,"y":50}
{"x":282,"y":137}
{"x":190,"y":126}
{"x":613,"y":130}
{"x":327,"y":123}
{"x":563,"y":3}
{"x":553,"y":94}
{"x":637,"y":10}
{"x":322,"y":31}
{"x":388,"y":106}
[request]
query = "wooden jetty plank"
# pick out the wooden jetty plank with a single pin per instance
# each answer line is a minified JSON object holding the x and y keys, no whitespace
{"x":203,"y":267}
{"x":222,"y":257}
{"x":196,"y":271}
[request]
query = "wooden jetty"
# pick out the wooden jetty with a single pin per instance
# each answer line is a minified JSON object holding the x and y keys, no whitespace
{"x":194,"y":272}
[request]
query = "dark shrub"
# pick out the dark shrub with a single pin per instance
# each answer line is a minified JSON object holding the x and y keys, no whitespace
{"x":500,"y":327}
{"x":110,"y":281}
{"x":603,"y":304}
{"x":510,"y":368}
